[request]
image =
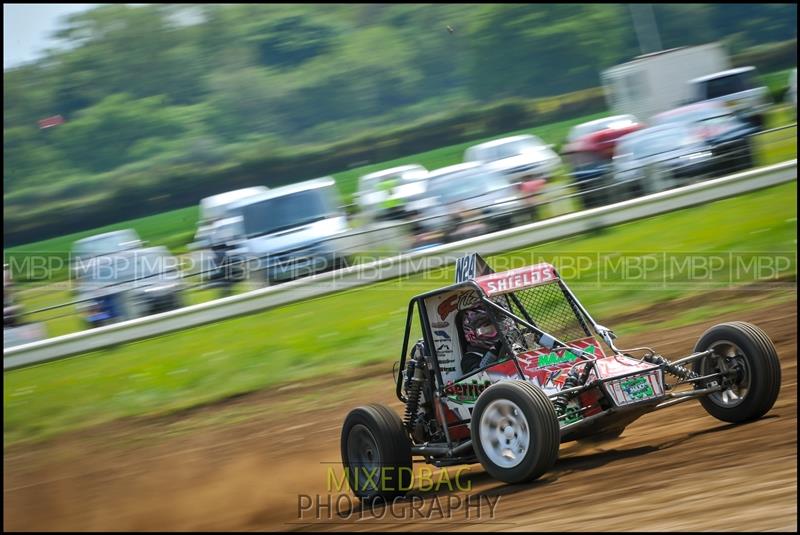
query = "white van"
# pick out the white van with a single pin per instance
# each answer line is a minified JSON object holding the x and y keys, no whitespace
{"x":289,"y":231}
{"x":214,"y":208}
{"x":738,"y":89}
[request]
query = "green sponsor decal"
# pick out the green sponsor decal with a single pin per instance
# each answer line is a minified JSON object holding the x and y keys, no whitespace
{"x":638,"y":388}
{"x":568,"y":356}
{"x":466,"y":392}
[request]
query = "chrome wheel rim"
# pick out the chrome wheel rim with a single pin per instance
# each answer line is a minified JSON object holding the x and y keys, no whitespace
{"x":504,"y":433}
{"x":730,"y":360}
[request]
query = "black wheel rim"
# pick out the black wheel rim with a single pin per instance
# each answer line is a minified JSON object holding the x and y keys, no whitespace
{"x":363,"y":458}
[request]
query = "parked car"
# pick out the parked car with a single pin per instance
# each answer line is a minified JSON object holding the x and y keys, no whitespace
{"x":467,"y":199}
{"x":216,"y":207}
{"x":288,"y":232}
{"x":11,"y":310}
{"x":107,"y":243}
{"x":16,"y":330}
{"x":728,"y":136}
{"x":589,"y":149}
{"x":525,"y":160}
{"x":382,"y":195}
{"x":738,"y":89}
{"x":130,"y":284}
{"x":659,"y":158}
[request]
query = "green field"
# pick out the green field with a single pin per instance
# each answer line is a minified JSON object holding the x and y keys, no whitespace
{"x":342,"y":331}
{"x":775,"y":81}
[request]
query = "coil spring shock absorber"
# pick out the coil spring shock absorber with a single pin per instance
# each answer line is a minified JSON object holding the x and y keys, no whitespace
{"x":560,"y":402}
{"x":574,"y":378}
{"x":415,"y":377}
{"x":678,"y":371}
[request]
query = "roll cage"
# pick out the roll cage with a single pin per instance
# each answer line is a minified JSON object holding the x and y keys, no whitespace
{"x":495,"y":312}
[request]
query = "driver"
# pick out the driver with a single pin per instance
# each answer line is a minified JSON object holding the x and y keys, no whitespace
{"x":484,"y":343}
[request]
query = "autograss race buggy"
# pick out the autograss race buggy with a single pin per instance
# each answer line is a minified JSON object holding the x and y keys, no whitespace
{"x":544,"y":379}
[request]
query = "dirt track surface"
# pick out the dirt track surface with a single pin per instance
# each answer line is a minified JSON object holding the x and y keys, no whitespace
{"x":677,"y":469}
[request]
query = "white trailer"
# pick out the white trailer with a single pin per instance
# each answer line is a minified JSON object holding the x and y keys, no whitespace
{"x":657,"y":82}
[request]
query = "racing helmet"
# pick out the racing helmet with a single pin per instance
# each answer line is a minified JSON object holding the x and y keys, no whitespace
{"x":479,"y":330}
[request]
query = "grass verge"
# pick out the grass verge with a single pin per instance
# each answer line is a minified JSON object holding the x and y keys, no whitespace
{"x":349,"y":329}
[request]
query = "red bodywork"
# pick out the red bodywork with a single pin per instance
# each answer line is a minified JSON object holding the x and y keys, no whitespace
{"x":533,"y":186}
{"x":600,"y":144}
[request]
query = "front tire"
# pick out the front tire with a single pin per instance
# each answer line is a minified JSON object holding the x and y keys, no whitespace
{"x":515,"y":432}
{"x":376,"y":453}
{"x":753,"y":373}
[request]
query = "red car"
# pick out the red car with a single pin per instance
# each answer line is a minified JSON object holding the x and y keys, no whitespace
{"x":590,"y":148}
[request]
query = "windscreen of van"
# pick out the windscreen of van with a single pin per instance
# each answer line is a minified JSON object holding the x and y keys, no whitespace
{"x":727,"y":85}
{"x":106,"y":244}
{"x":287,"y":211}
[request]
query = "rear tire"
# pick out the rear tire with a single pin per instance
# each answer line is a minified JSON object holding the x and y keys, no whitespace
{"x":515,"y":432}
{"x":373,"y":437}
{"x":755,"y":379}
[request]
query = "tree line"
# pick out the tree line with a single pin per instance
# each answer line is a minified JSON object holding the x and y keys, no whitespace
{"x":148,"y":87}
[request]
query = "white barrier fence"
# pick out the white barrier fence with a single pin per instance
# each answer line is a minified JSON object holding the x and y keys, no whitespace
{"x":389,"y":268}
